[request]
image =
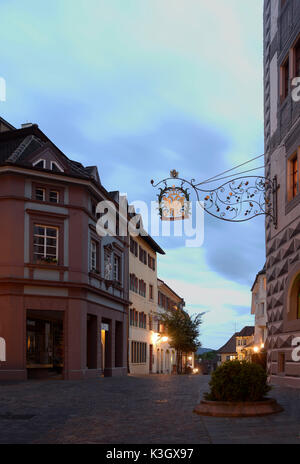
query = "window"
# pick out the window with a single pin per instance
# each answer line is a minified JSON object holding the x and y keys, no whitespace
{"x":281,"y":363}
{"x":54,"y":196}
{"x":40,"y":194}
{"x":133,"y":247}
{"x":138,"y":352}
{"x":47,"y":193}
{"x":151,"y":292}
{"x":293,"y":183}
{"x":117,"y":268}
{"x":284,"y":79}
{"x":142,"y":288}
{"x":295,"y":176}
{"x":297,"y":59}
{"x":143,"y":255}
{"x":93,"y":256}
{"x":45,"y":244}
{"x":151,"y":262}
{"x":55,"y":167}
{"x":41,"y":164}
{"x":142,"y":320}
{"x":132,"y":317}
{"x":150,"y":323}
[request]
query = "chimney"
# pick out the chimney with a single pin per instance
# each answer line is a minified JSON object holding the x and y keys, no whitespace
{"x":27,"y":124}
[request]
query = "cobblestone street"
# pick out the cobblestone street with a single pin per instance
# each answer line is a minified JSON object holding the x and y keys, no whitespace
{"x":150,"y":410}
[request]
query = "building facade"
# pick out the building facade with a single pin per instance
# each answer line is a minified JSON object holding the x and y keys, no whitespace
{"x":64,"y":290}
{"x":239,"y":347}
{"x":228,"y":351}
{"x":166,"y":356}
{"x":259,"y":308}
{"x":143,"y":297}
{"x":245,"y":343}
{"x":282,"y":151}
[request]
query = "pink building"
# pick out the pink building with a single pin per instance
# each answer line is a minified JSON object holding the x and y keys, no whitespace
{"x":63,"y":289}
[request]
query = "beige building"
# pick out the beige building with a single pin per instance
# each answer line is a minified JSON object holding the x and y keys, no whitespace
{"x":228,"y":351}
{"x":245,"y":343}
{"x":143,"y":297}
{"x":259,"y":309}
{"x":239,"y":347}
{"x":165,"y":356}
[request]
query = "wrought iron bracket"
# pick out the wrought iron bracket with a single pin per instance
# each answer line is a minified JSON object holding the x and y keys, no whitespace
{"x":237,"y":200}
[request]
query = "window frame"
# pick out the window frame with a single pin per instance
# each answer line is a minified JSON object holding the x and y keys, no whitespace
{"x":48,"y":188}
{"x":45,"y":245}
{"x":49,"y":220}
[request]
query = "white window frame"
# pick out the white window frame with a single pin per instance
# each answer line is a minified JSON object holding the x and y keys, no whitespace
{"x":57,"y":165}
{"x":45,"y":237}
{"x":44,"y":193}
{"x":117,"y":276}
{"x":38,"y":161}
{"x":57,"y":193}
{"x":93,"y":256}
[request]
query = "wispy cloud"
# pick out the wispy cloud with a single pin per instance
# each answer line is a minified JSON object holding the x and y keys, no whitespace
{"x":142,"y":87}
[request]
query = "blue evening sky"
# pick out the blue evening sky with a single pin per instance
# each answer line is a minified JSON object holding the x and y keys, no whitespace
{"x":139,"y":87}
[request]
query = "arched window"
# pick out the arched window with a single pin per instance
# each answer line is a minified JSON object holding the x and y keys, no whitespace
{"x":294,"y":300}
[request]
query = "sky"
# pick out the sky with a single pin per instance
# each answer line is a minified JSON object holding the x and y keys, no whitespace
{"x":142,"y":87}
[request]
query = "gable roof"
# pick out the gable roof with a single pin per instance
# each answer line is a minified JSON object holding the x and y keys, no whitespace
{"x":230,"y":346}
{"x":17,"y":145}
{"x":246,"y":331}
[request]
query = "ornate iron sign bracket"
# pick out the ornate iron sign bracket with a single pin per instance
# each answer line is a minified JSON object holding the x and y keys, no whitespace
{"x":237,"y":200}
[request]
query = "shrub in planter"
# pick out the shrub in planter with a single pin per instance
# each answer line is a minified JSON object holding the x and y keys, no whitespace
{"x":238,"y":382}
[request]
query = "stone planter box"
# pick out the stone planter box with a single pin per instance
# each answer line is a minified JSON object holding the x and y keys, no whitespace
{"x":237,"y":409}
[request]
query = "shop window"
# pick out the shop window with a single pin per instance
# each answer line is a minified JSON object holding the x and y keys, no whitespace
{"x":138,"y":352}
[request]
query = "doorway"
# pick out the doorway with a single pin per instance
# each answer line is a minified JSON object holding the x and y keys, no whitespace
{"x":44,"y":344}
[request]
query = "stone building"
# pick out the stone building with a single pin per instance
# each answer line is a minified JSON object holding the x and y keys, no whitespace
{"x":63,"y":288}
{"x":282,"y":157}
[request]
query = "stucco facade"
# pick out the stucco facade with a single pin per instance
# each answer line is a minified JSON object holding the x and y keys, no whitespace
{"x":282,"y":142}
{"x":143,"y":298}
{"x":259,"y":309}
{"x":63,"y":289}
{"x":166,"y":356}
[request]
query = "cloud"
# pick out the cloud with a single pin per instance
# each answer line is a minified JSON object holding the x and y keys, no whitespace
{"x":141,"y":87}
{"x":205,"y":291}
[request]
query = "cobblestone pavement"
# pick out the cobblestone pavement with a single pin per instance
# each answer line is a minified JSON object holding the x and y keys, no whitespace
{"x":133,"y":410}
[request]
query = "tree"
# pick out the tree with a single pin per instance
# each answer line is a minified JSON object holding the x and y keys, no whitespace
{"x":183,"y":331}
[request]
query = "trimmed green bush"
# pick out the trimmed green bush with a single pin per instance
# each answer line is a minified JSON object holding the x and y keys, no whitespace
{"x":238,"y":381}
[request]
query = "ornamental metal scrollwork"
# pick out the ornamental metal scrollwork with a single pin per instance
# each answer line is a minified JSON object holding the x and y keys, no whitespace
{"x":237,"y":200}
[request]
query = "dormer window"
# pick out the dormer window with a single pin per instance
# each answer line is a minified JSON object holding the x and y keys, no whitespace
{"x":55,"y":167}
{"x":40,"y":164}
